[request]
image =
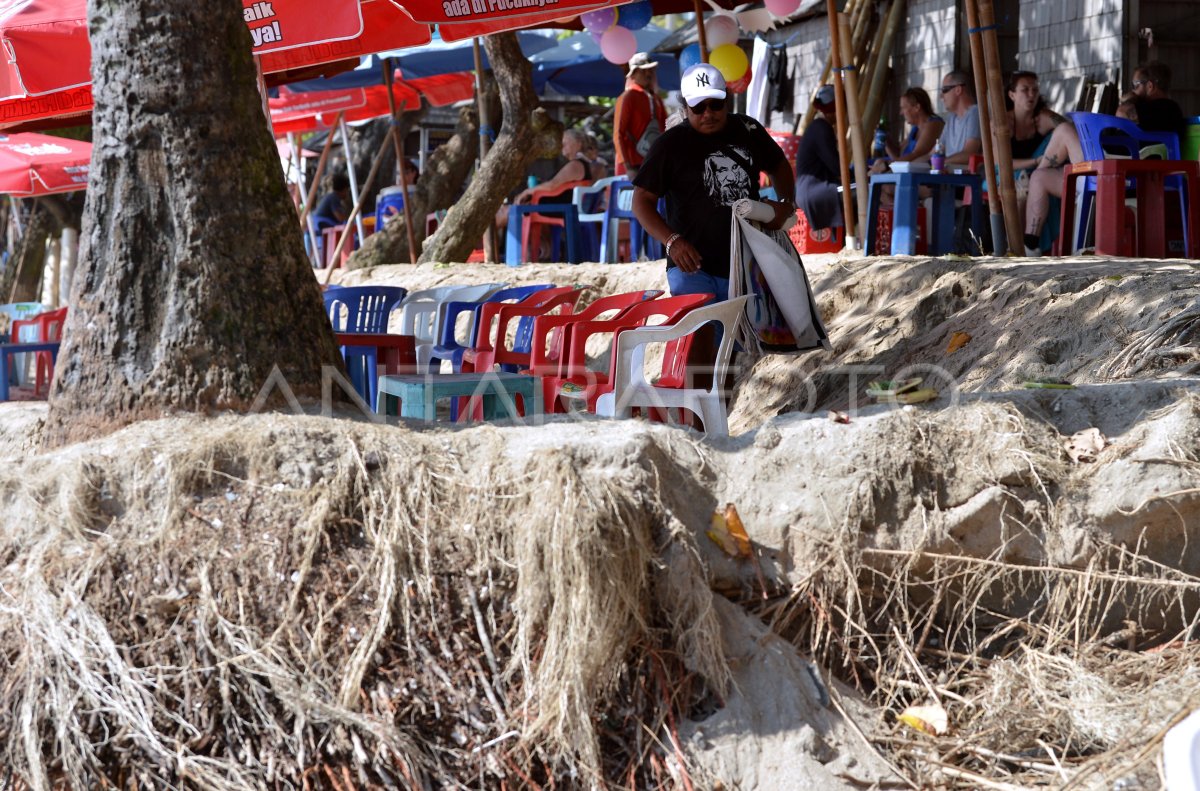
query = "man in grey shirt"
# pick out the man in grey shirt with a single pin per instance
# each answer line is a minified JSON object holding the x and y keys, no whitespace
{"x":961,"y":137}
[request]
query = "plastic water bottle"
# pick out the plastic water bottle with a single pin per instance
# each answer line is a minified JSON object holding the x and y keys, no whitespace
{"x":938,"y":160}
{"x":879,"y":148}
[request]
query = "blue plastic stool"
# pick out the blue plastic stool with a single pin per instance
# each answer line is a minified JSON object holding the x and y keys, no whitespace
{"x":516,"y":212}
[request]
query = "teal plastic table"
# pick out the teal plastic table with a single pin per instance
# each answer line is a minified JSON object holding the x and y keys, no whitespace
{"x":419,"y":394}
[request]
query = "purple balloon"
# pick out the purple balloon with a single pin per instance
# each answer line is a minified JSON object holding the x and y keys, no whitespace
{"x":599,"y":20}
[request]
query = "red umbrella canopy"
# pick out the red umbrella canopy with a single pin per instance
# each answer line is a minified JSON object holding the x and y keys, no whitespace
{"x":32,"y":164}
{"x":46,"y":75}
{"x":317,"y":110}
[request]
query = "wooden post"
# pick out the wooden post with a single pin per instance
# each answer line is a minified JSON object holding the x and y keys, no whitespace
{"x":839,"y":90}
{"x":978,"y":69}
{"x":879,"y":74}
{"x":491,"y":246}
{"x":856,"y":129}
{"x":700,"y":31}
{"x":358,"y":204}
{"x":1000,"y":128}
{"x":408,"y":223}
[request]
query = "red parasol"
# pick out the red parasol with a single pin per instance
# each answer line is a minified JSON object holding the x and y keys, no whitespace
{"x":33,"y":164}
{"x":317,"y":110}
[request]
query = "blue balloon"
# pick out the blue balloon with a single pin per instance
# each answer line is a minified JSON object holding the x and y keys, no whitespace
{"x":635,"y":16}
{"x":689,"y":56}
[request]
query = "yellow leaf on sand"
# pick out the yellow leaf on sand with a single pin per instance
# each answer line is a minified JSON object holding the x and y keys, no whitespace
{"x":727,"y":532}
{"x":927,"y":719}
{"x":957,"y":341}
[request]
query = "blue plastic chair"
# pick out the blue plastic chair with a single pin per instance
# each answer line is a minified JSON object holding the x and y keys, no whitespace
{"x":620,"y":207}
{"x":366,"y":309}
{"x":1101,"y":136}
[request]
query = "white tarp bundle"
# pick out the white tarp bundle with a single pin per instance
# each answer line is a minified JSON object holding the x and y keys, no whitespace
{"x":781,"y":314}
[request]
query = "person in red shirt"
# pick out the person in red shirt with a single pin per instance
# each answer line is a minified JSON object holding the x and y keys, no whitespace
{"x":640,"y":116}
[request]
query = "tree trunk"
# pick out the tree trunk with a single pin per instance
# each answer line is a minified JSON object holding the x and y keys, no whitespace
{"x":23,"y":277}
{"x":527,"y":134}
{"x":192,"y":282}
{"x":445,"y":171}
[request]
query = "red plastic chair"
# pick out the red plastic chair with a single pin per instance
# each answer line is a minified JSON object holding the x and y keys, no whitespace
{"x":551,"y":334}
{"x":573,"y":373}
{"x":491,"y":349}
{"x":49,"y":330}
{"x":531,"y":224}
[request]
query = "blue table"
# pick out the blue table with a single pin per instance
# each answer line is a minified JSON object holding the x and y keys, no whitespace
{"x":418,"y":394}
{"x":7,"y":350}
{"x":568,"y":211}
{"x":908,"y":198}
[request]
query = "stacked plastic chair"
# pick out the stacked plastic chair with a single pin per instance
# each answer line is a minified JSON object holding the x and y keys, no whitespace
{"x":630,"y":390}
{"x":365,"y":310}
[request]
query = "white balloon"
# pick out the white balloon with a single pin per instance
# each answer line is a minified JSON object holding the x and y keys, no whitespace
{"x":720,"y":29}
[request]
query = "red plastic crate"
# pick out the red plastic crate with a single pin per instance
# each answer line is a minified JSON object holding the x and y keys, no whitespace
{"x":883,"y":237}
{"x":807,"y":240}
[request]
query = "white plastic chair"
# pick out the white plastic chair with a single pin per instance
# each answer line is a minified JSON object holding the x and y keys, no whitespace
{"x":22,"y":310}
{"x":579,"y":196}
{"x":422,"y":314}
{"x":1181,"y":755}
{"x":630,"y":388}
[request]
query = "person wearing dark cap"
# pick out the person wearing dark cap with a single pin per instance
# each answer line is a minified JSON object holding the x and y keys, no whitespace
{"x":639,"y":116}
{"x":818,"y":170}
{"x":702,"y":167}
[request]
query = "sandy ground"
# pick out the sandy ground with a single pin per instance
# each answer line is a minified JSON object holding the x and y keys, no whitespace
{"x":983,"y":471}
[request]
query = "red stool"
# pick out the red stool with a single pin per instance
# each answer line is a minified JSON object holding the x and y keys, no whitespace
{"x":807,"y":240}
{"x":1150,"y":237}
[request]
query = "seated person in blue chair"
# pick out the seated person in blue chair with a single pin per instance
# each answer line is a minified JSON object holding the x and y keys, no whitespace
{"x":391,"y":199}
{"x":335,"y":207}
{"x":1157,"y":111}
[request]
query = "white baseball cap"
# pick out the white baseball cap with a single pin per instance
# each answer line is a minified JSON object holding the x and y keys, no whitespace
{"x":701,"y":81}
{"x":641,"y":60}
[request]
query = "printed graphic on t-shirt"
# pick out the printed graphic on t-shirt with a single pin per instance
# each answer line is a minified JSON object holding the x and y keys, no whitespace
{"x":725,"y":180}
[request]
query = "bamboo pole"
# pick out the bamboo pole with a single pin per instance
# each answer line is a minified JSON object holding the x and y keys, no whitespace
{"x":855,"y":122}
{"x":835,"y":55}
{"x":879,"y":74}
{"x":1001,"y":129}
{"x":978,"y":68}
{"x":867,"y":77}
{"x":408,"y":223}
{"x":491,"y":244}
{"x":357,"y":210}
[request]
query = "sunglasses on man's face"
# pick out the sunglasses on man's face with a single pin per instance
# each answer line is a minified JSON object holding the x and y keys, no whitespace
{"x":948,"y":88}
{"x":715,"y":105}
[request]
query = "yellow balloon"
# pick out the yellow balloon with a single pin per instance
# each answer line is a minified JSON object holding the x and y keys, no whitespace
{"x":730,"y":60}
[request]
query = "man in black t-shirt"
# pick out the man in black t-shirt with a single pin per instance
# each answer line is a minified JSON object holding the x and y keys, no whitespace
{"x":702,"y":167}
